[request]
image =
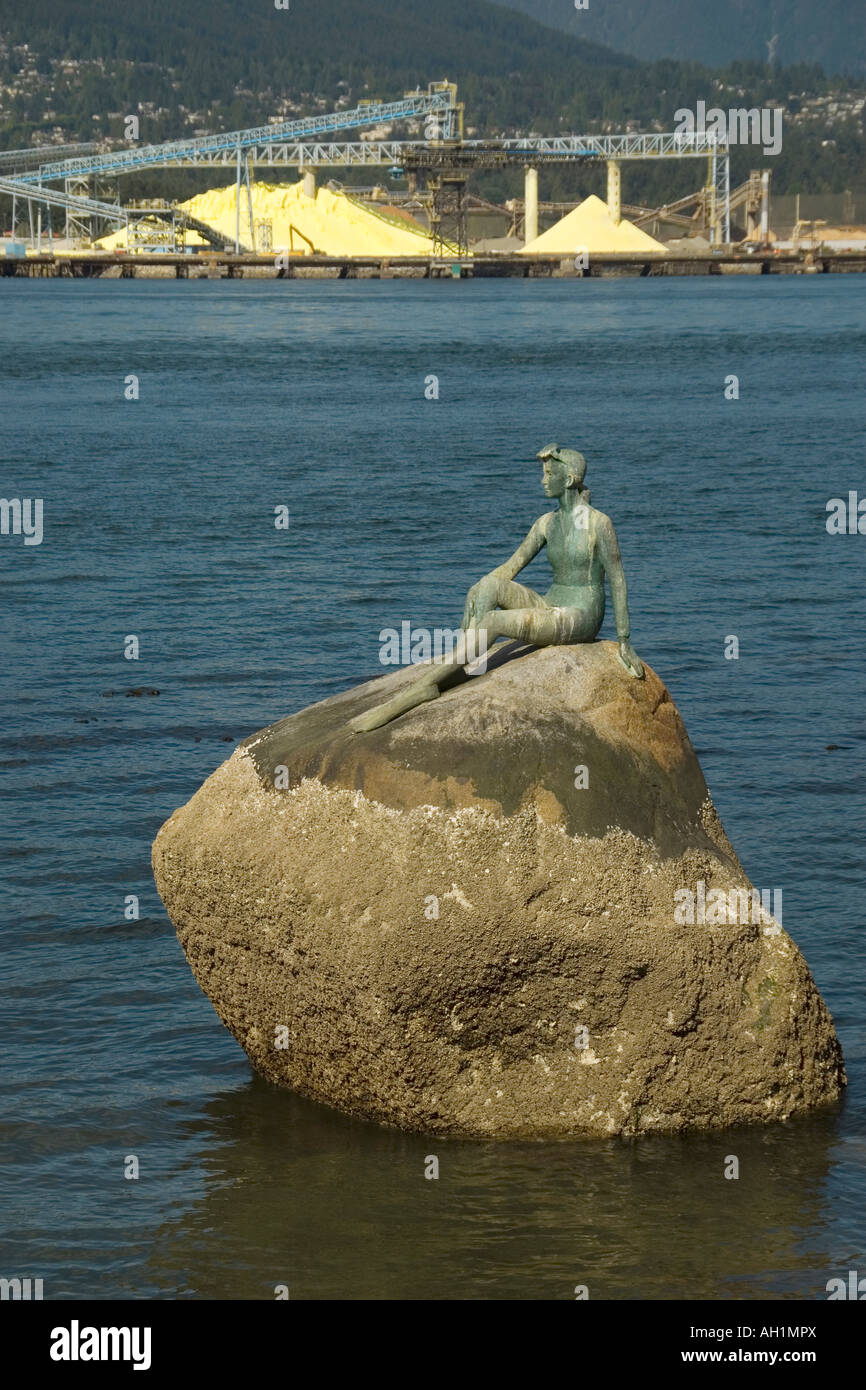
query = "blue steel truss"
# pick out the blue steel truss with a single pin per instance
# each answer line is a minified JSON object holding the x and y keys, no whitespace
{"x":71,"y":202}
{"x":208,"y":149}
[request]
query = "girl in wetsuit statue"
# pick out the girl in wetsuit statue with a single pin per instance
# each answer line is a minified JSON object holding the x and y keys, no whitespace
{"x":582,"y":549}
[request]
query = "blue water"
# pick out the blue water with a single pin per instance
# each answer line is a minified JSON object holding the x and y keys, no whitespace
{"x":159,"y":523}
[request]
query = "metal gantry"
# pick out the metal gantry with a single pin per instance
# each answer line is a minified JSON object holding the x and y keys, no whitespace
{"x":12,"y":161}
{"x":476,"y":154}
{"x":439,"y":102}
{"x":438,"y":106}
{"x":54,"y":197}
{"x":439,"y":163}
{"x":298,"y":152}
{"x":721,"y":177}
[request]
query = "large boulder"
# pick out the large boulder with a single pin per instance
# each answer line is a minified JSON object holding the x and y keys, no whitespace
{"x":440,"y":925}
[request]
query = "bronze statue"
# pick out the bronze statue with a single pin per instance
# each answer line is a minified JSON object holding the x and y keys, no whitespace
{"x":582,"y":548}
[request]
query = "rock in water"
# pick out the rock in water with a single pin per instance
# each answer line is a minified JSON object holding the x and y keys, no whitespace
{"x":438,"y":925}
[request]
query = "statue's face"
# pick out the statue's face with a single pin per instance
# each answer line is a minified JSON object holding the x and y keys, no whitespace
{"x":554,"y":478}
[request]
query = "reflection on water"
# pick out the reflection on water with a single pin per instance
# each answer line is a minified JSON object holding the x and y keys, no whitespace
{"x":333,"y":1208}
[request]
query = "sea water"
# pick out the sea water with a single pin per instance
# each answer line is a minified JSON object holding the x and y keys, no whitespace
{"x":163,"y":426}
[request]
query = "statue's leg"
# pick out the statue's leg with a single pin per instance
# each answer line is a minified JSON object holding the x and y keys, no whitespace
{"x":543,"y":627}
{"x":492,"y":593}
{"x":530,"y":611}
{"x":426,"y":687}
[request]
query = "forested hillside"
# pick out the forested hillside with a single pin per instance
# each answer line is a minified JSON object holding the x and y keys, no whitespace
{"x":786,"y":31}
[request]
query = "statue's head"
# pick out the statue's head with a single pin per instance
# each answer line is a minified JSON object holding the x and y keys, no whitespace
{"x":564,"y":469}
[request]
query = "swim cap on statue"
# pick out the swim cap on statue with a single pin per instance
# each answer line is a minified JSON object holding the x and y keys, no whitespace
{"x":572,"y":458}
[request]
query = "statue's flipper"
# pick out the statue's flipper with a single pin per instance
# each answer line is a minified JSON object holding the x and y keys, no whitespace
{"x":374,"y":718}
{"x":427,"y":687}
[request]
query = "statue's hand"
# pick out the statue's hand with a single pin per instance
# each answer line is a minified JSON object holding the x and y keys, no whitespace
{"x":631,"y":661}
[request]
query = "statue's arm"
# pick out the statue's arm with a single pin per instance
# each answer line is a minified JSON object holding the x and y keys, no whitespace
{"x":612,"y":561}
{"x":479,"y":595}
{"x":527,"y":550}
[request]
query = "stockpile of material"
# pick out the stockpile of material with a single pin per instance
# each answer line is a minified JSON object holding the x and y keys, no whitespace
{"x":590,"y":227}
{"x":285,"y":218}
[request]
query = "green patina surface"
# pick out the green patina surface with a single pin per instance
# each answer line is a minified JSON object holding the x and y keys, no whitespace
{"x":583,"y":552}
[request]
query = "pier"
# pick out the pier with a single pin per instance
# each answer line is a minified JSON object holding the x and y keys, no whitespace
{"x":228,"y":265}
